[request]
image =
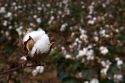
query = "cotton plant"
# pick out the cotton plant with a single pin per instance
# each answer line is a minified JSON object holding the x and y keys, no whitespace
{"x":36,"y":43}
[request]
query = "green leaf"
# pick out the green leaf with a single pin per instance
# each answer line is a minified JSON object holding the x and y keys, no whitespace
{"x":112,"y":70}
{"x":70,"y":79}
{"x":55,"y":56}
{"x":123,"y":66}
{"x":75,"y":53}
{"x":122,"y":37}
{"x":88,"y":73}
{"x":115,"y":49}
{"x":106,"y":81}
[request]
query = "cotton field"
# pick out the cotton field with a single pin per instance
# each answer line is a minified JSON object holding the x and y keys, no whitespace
{"x":62,"y":41}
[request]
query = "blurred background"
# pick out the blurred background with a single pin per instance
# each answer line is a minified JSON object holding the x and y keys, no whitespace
{"x":88,"y":36}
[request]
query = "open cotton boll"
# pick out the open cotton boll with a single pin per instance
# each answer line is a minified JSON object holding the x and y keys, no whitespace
{"x":118,"y":78}
{"x":38,"y":70}
{"x":23,"y":58}
{"x":94,"y":80}
{"x":103,"y":50}
{"x":34,"y":72}
{"x":37,"y":42}
{"x":104,"y":71}
{"x":119,"y":62}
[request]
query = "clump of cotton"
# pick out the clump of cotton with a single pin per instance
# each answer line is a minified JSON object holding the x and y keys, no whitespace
{"x":94,"y":80}
{"x":23,"y":58}
{"x":103,"y":50}
{"x":38,"y":70}
{"x":41,"y":42}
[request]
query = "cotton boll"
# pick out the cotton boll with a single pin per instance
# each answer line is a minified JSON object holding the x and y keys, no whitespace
{"x":94,"y":18}
{"x":96,"y":38}
{"x":34,"y":16}
{"x":94,"y":80}
{"x":91,"y":8}
{"x":75,"y":44}
{"x":102,"y":32}
{"x":39,"y":42}
{"x":68,"y":56}
{"x":91,"y":22}
{"x":104,"y":71}
{"x":63,"y":27}
{"x":79,"y":75}
{"x":48,"y":5}
{"x":7,"y":33}
{"x":117,"y":30}
{"x":103,"y":50}
{"x":9,"y":14}
{"x":10,"y":27}
{"x":2,"y":10}
{"x":19,"y":30}
{"x":89,"y":46}
{"x":32,"y":24}
{"x":106,"y":63}
{"x":39,"y":8}
{"x":40,"y":69}
{"x":90,"y":57}
{"x":5,"y":23}
{"x":13,"y":3}
{"x":84,"y":37}
{"x":59,"y":12}
{"x":19,"y":6}
{"x":23,"y":58}
{"x":77,"y":39}
{"x":82,"y":31}
{"x":83,"y":60}
{"x":118,"y":78}
{"x":81,"y":53}
{"x":22,"y":61}
{"x":34,"y":72}
{"x":38,"y":20}
{"x":63,"y":50}
{"x":51,"y":19}
{"x":103,"y":63}
{"x":90,"y":54}
{"x":119,"y":62}
{"x":65,"y":1}
{"x":86,"y":81}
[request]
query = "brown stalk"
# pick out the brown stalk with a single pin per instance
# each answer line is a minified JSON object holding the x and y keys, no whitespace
{"x":10,"y":71}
